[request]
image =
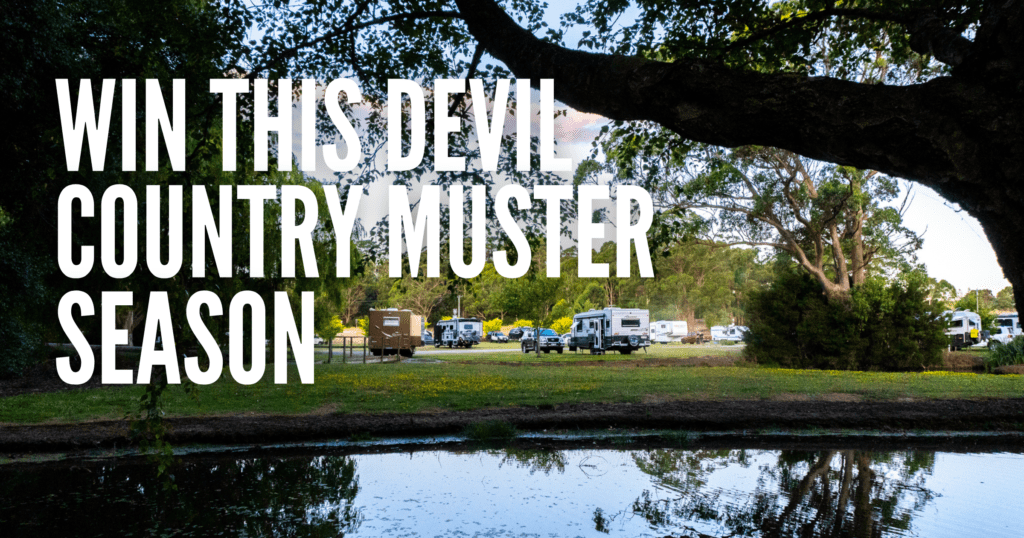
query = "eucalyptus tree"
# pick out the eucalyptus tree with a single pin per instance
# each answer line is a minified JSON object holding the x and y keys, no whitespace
{"x":838,"y":223}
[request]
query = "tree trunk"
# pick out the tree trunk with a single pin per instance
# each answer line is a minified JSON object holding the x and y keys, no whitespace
{"x":859,"y":269}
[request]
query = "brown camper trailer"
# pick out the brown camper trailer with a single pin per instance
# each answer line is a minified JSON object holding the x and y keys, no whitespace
{"x":394,"y":331}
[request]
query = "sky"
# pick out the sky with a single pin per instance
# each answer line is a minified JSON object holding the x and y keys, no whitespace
{"x":955,"y":247}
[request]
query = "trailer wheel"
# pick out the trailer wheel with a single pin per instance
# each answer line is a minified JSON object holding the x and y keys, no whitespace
{"x":572,"y":348}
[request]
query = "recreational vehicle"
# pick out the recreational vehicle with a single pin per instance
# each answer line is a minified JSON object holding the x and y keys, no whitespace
{"x":732,"y":333}
{"x":622,"y":329}
{"x":666,"y":331}
{"x":1010,"y":324}
{"x":458,"y":332}
{"x":393,"y":331}
{"x":963,"y":329}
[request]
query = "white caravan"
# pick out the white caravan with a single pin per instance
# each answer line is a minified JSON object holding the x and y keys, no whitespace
{"x":732,"y":333}
{"x":963,"y":329}
{"x":458,"y":332}
{"x":622,"y":329}
{"x":665,"y":331}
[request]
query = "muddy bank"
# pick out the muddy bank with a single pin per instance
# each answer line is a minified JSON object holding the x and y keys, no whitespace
{"x":740,"y":416}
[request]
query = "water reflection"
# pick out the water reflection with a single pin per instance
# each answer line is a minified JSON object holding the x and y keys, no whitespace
{"x":828,"y":493}
{"x":524,"y":492}
{"x":251,"y":496}
{"x":543,"y":461}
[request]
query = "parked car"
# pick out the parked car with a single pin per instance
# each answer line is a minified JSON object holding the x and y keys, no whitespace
{"x":565,"y":338}
{"x":516,"y":333}
{"x":999,"y":336}
{"x":497,"y":337}
{"x":428,"y":338}
{"x":317,"y":341}
{"x":549,"y":341}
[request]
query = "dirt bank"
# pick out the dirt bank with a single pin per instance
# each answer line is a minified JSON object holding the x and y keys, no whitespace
{"x":740,"y":416}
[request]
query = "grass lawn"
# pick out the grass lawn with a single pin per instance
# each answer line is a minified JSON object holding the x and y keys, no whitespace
{"x":394,"y":387}
{"x":514,"y":355}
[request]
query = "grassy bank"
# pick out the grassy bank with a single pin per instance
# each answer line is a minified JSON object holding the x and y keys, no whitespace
{"x":432,"y":387}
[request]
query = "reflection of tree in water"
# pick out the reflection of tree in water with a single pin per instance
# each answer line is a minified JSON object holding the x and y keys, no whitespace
{"x":534,"y":460}
{"x":253,"y":497}
{"x":832,"y":493}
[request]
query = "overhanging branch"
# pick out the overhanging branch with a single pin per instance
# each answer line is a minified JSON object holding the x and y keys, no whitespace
{"x":822,"y":118}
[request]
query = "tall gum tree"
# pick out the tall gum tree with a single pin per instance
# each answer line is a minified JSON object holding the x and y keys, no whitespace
{"x":829,"y":219}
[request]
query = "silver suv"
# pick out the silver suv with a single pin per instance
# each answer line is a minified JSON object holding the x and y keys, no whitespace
{"x":549,"y":341}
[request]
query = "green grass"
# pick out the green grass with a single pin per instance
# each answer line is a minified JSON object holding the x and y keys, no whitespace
{"x":669,"y":351}
{"x":430,"y":387}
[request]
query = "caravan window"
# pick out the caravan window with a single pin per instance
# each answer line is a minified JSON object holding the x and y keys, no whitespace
{"x":956,"y":324}
{"x":391,"y":322}
{"x":1005,"y":322}
{"x":630,"y":323}
{"x":468,"y":326}
{"x":579,"y":326}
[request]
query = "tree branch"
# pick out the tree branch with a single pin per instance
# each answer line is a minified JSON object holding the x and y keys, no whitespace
{"x":839,"y":121}
{"x":477,"y":55}
{"x":349,"y":28}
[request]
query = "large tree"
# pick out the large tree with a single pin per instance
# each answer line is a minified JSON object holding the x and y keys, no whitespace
{"x":829,"y":219}
{"x":730,"y":73}
{"x":731,"y":82}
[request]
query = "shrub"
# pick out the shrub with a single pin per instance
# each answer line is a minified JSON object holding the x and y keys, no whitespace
{"x":1007,"y":354}
{"x":881,"y":327}
{"x":492,"y":325}
{"x":523,"y":323}
{"x":562,"y":325}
